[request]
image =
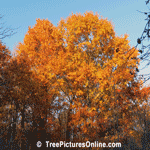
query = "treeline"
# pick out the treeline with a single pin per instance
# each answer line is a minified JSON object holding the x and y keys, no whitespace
{"x":76,"y":82}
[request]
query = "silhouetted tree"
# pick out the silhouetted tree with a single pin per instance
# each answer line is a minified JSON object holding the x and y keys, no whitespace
{"x":145,"y":47}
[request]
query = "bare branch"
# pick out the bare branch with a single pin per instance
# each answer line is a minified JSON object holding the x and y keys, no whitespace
{"x":5,"y":32}
{"x":147,"y":2}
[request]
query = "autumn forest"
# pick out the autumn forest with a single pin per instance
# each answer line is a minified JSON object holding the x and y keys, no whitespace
{"x":76,"y":82}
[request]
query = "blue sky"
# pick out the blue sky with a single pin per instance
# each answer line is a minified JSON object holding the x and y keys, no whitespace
{"x":122,"y":13}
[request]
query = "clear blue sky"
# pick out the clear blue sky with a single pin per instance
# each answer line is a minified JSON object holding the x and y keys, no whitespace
{"x":122,"y":13}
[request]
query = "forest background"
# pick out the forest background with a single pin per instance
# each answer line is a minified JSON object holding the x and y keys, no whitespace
{"x":78,"y":106}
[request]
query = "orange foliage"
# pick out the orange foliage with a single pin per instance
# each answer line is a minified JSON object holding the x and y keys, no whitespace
{"x":83,"y":62}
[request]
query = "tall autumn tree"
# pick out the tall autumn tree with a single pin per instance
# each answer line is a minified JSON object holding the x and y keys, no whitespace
{"x":100,"y":74}
{"x":4,"y":82}
{"x":86,"y":75}
{"x":8,"y":115}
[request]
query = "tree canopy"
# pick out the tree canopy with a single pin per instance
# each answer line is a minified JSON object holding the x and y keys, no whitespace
{"x":79,"y":78}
